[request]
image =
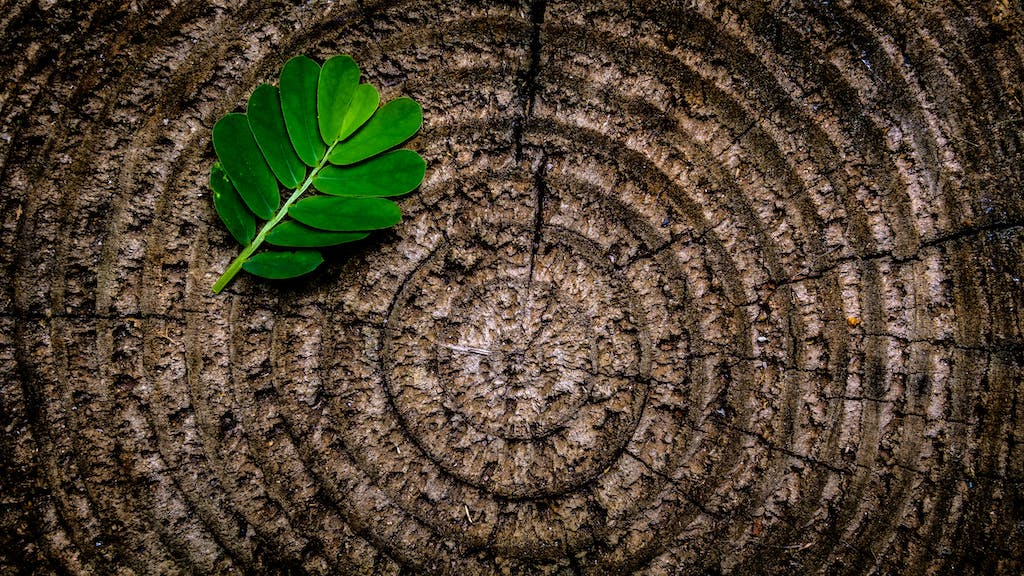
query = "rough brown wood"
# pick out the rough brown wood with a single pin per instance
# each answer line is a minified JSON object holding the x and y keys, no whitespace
{"x":691,"y":287}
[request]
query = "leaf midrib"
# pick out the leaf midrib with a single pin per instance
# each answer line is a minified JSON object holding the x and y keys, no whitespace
{"x":243,"y":256}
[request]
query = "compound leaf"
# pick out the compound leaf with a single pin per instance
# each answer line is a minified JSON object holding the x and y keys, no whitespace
{"x":281,"y":265}
{"x":244,"y":164}
{"x":230,"y":207}
{"x":320,"y":118}
{"x":346,"y":214}
{"x":299,"y":79}
{"x":393,"y":124}
{"x":338,"y":81}
{"x":391,"y":174}
{"x":267,"y":124}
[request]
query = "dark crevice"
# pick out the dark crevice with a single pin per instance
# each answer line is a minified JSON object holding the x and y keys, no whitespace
{"x":973,"y":234}
{"x":692,"y":500}
{"x":528,"y":94}
{"x":541,"y":185}
{"x":772,"y":446}
{"x":527,"y":99}
{"x":574,"y":565}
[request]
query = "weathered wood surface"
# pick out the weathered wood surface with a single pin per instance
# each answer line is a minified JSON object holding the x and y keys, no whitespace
{"x":690,"y":288}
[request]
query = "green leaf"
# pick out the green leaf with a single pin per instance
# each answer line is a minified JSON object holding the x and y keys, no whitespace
{"x":286,"y":132}
{"x":338,"y":80}
{"x":281,"y":265}
{"x":267,"y":124}
{"x":299,"y":79}
{"x":391,"y":174}
{"x":244,"y":164}
{"x":230,"y":207}
{"x":291,"y":234}
{"x":393,"y":124}
{"x":365,"y":100}
{"x":346,"y":214}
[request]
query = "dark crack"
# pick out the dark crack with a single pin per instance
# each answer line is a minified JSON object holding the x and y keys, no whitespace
{"x":528,"y":95}
{"x":541,"y":186}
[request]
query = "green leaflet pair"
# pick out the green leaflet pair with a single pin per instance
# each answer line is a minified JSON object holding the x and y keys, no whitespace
{"x":321,"y":129}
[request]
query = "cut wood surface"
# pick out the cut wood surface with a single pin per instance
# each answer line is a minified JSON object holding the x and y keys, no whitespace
{"x":691,"y":287}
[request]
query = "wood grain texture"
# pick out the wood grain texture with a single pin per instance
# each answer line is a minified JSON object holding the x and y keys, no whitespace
{"x":697,"y":287}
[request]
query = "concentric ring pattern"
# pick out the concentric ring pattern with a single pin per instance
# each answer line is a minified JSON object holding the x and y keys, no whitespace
{"x":690,"y":288}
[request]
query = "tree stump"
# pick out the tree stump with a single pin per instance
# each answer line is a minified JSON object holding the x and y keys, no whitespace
{"x":691,"y":287}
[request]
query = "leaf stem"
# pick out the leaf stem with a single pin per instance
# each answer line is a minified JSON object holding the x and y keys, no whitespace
{"x":243,"y":256}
